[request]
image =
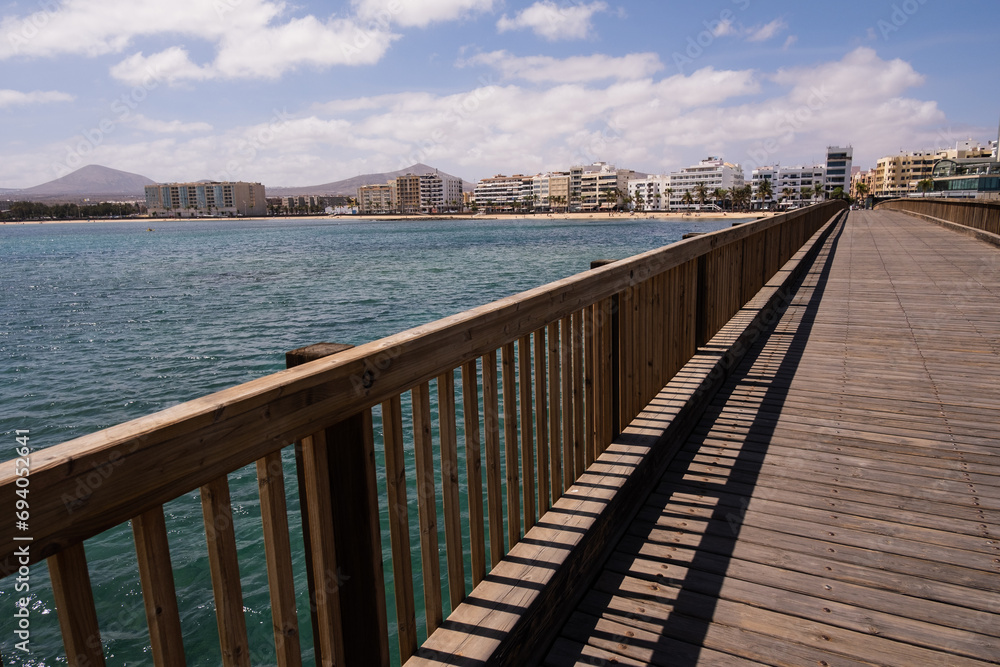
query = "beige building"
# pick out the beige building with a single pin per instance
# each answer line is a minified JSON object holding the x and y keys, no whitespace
{"x":405,"y":192}
{"x":206,"y":199}
{"x":602,"y":186}
{"x":899,"y":175}
{"x":375,"y":199}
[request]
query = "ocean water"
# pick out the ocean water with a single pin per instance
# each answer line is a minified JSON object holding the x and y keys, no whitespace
{"x":102,"y":323}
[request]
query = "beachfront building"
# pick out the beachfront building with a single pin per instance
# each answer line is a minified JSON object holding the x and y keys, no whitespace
{"x":405,"y":193}
{"x":549,"y":192}
{"x":839,"y":162}
{"x":602,"y":186}
{"x":863,"y":184}
{"x":503,"y":193}
{"x":790,"y":186}
{"x":375,"y":198}
{"x":440,"y":193}
{"x":713,"y":173}
{"x":651,"y":193}
{"x":212,"y":199}
{"x":901,"y":175}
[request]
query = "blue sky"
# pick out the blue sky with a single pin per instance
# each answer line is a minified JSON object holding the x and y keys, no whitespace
{"x":310,"y":92}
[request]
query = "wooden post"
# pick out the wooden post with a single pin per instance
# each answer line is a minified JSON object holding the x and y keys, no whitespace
{"x":359,"y":580}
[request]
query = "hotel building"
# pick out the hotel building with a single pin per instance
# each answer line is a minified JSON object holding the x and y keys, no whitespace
{"x":712,"y":172}
{"x":788,"y":183}
{"x":188,"y":200}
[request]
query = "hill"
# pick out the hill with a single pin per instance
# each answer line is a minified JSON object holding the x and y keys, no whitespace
{"x":349,"y":187}
{"x":91,"y":180}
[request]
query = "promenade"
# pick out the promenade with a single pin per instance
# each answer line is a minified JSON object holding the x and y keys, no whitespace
{"x":839,"y":502}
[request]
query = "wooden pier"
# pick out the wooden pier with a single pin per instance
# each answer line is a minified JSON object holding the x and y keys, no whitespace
{"x":839,"y":501}
{"x":776,"y":443}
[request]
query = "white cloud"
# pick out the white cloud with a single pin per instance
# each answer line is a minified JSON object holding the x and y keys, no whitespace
{"x":724,"y":28}
{"x":10,"y":98}
{"x":417,"y":13}
{"x":252,"y":38}
{"x":142,"y":123}
{"x":522,"y":126}
{"x":576,"y":69}
{"x":555,"y":22}
{"x":766,"y":32}
{"x":790,"y":42}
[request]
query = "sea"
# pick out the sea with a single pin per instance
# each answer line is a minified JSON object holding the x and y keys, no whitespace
{"x":105,"y":322}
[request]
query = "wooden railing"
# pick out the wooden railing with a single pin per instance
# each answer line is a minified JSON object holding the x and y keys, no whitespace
{"x":984,"y":216}
{"x":547,"y":378}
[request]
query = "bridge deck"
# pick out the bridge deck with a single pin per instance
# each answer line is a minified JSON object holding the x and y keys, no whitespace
{"x":840,"y":501}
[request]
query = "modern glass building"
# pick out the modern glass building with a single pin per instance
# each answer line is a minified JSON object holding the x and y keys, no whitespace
{"x":970,"y":178}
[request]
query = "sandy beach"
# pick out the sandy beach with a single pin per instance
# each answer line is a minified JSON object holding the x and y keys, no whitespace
{"x":652,"y":215}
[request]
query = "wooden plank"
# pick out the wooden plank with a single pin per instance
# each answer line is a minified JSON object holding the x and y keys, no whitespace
{"x":555,"y":422}
{"x":541,"y":420}
{"x":579,"y":410}
{"x":423,"y":447}
{"x":450,"y":489}
{"x":474,"y":472}
{"x":159,"y":596}
{"x":74,"y":600}
{"x":399,"y":527}
{"x":278,"y":554}
{"x":527,"y":432}
{"x":217,"y":511}
{"x":494,"y":472}
{"x":566,"y":384}
{"x":510,"y":441}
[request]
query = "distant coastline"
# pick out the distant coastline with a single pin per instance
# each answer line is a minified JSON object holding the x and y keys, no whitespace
{"x":617,"y":215}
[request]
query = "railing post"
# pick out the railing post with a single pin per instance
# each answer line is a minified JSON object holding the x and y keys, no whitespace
{"x":349,"y":479}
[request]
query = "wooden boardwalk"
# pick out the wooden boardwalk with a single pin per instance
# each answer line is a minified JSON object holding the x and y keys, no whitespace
{"x":839,"y":503}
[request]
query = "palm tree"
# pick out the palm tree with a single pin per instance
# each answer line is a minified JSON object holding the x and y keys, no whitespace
{"x":702,"y":193}
{"x":687,"y":199}
{"x":669,"y":193}
{"x":925,"y":186}
{"x":764,"y":190}
{"x":720,"y":196}
{"x":786,"y":194}
{"x":862,"y":190}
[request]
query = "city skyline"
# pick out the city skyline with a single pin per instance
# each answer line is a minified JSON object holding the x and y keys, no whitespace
{"x":263,"y":91}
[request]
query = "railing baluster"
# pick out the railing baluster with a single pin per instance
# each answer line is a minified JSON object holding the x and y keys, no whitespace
{"x":278,"y":552}
{"x":566,"y":367}
{"x":541,"y":421}
{"x":159,"y":594}
{"x":494,"y":480}
{"x":555,"y":441}
{"x":423,"y":446}
{"x":217,"y":511}
{"x":527,"y":432}
{"x":592,"y":345}
{"x":474,"y":470}
{"x":509,"y":361}
{"x":450,"y":491}
{"x":579,"y":429}
{"x":399,"y":527}
{"x":74,"y":600}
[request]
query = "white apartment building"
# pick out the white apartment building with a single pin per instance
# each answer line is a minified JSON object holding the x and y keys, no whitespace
{"x":788,"y":183}
{"x":650,"y":193}
{"x":839,"y":160}
{"x":502,"y":192}
{"x":440,"y":193}
{"x":712,"y":172}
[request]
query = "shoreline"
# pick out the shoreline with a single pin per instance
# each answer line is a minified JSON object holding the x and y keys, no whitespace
{"x":649,"y":215}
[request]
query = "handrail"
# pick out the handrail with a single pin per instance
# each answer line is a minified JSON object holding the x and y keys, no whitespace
{"x":981,"y":215}
{"x":555,"y":339}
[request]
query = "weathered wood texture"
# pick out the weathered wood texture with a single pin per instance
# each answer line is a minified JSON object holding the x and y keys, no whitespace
{"x":979,"y":215}
{"x":839,"y":502}
{"x":623,"y":329}
{"x":512,"y":616}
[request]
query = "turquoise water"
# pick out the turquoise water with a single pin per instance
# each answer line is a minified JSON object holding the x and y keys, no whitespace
{"x":102,"y":323}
